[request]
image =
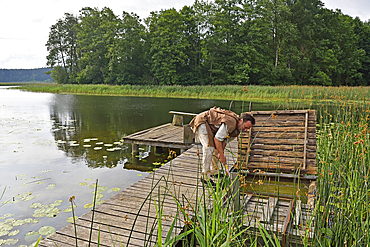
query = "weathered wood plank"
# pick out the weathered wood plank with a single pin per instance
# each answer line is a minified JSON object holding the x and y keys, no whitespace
{"x":268,"y":209}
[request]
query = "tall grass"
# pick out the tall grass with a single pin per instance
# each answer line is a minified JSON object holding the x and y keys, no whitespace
{"x":234,"y":92}
{"x":344,"y":194}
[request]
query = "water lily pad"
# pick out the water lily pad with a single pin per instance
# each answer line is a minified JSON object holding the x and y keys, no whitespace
{"x":32,"y":233}
{"x":70,"y":219}
{"x":3,"y":233}
{"x":47,"y":170}
{"x":5,"y":227}
{"x":116,"y":189}
{"x":97,"y":148}
{"x":13,"y":233}
{"x":140,"y":175}
{"x":8,"y":215}
{"x":51,"y":186}
{"x":28,"y":198}
{"x":10,"y":241}
{"x":19,"y":223}
{"x":102,"y":188}
{"x":21,"y":175}
{"x":92,"y":186}
{"x":46,"y":230}
{"x":10,"y":220}
{"x":36,"y":177}
{"x":88,"y":205}
{"x":52,"y":212}
{"x":31,"y":220}
{"x":99,"y":196}
{"x":39,"y":215}
{"x":40,"y":182}
{"x":35,"y":205}
{"x":82,"y":183}
{"x":88,"y":179}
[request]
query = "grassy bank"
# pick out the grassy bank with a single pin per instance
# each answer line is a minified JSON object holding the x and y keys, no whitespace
{"x":255,"y":93}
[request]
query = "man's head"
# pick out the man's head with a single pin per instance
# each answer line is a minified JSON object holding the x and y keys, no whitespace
{"x":246,"y":122}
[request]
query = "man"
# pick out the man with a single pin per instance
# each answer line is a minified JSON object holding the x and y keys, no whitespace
{"x":214,"y":128}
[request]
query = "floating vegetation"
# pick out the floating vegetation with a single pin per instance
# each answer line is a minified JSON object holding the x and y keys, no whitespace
{"x":47,"y":170}
{"x":86,"y":146}
{"x":108,"y":145}
{"x":32,"y":233}
{"x":102,"y":188}
{"x":8,"y":241}
{"x":70,"y":219}
{"x":13,"y":233}
{"x":82,"y":183}
{"x":86,"y":140}
{"x":97,"y":148}
{"x":93,"y":139}
{"x":8,"y":215}
{"x":110,"y":149}
{"x":35,"y":205}
{"x":88,"y":179}
{"x":88,"y":205}
{"x":31,"y":220}
{"x":140,"y":175}
{"x":19,"y":222}
{"x":116,"y":189}
{"x":69,"y":209}
{"x":46,"y":230}
{"x":51,"y":186}
{"x":99,"y":143}
{"x":117,"y":143}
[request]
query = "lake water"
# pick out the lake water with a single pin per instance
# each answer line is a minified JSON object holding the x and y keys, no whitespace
{"x":55,"y":146}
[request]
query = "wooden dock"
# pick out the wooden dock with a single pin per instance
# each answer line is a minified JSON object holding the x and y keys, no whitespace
{"x":130,"y":216}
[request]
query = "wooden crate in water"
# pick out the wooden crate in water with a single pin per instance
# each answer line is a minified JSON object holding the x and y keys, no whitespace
{"x":277,"y":165}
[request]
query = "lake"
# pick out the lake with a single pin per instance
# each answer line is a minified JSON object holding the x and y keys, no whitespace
{"x":54,"y":146}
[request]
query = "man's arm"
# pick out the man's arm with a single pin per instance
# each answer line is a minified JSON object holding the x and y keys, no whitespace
{"x":220,"y":146}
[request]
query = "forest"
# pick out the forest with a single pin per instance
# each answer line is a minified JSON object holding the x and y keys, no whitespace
{"x":220,"y":42}
{"x":25,"y":75}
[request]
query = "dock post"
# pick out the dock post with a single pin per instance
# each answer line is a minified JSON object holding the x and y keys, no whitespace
{"x":177,"y":120}
{"x":135,"y":149}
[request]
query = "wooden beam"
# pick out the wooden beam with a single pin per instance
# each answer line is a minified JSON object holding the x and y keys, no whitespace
{"x":268,"y":210}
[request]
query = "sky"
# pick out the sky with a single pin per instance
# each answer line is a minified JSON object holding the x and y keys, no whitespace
{"x":25,"y":24}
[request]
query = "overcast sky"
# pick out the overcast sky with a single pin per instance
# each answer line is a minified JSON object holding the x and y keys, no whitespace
{"x":25,"y":24}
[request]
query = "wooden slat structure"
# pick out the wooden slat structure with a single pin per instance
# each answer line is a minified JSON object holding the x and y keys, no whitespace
{"x":277,"y":156}
{"x":280,"y":141}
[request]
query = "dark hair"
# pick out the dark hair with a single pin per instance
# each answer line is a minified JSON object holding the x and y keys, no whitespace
{"x":247,"y":117}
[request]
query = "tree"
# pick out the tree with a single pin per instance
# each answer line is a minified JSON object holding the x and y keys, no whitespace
{"x":168,"y":48}
{"x":127,"y":58}
{"x":96,"y":33}
{"x":62,"y":46}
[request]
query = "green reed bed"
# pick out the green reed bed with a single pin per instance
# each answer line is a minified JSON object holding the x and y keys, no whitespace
{"x":258,"y":93}
{"x":343,"y":212}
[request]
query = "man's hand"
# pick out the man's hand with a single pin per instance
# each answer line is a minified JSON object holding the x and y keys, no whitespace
{"x":220,"y":146}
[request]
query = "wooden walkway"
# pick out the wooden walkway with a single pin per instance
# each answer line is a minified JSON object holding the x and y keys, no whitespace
{"x":130,"y":216}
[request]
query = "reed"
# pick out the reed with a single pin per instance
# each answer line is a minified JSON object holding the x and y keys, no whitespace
{"x":234,"y":92}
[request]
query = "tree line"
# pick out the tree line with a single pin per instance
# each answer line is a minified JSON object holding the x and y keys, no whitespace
{"x":25,"y":75}
{"x":220,"y":42}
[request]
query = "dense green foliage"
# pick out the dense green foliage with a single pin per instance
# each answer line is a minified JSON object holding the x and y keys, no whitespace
{"x":25,"y":75}
{"x":259,"y":42}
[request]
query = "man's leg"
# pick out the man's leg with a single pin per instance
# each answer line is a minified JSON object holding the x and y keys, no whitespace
{"x":207,"y":150}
